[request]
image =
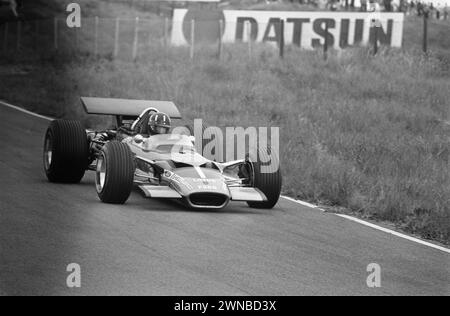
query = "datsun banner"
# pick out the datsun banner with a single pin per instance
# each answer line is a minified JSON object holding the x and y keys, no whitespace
{"x":304,"y":29}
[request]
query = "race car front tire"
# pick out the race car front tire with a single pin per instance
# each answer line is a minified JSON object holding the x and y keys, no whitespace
{"x":66,"y":152}
{"x":267,"y":178}
{"x":115,"y":173}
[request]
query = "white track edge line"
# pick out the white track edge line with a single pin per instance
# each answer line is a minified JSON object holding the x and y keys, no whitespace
{"x":392,"y":232}
{"x":368,"y":224}
{"x":25,"y":111}
{"x":350,"y":218}
{"x":302,"y":203}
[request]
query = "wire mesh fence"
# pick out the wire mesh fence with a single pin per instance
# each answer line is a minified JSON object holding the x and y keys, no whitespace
{"x":130,"y":39}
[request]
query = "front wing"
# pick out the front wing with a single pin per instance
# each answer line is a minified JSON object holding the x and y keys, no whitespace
{"x":245,"y":194}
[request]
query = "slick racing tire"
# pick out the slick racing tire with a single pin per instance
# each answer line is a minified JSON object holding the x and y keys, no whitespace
{"x":114,"y":174}
{"x":267,"y":178}
{"x":66,"y":152}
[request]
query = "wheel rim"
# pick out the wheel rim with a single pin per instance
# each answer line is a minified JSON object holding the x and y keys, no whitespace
{"x":48,"y":152}
{"x":100,"y":177}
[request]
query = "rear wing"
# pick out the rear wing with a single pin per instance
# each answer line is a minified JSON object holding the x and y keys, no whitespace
{"x":127,"y":108}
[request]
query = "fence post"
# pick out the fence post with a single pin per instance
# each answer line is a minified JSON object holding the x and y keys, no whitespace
{"x":55,"y":33}
{"x":5,"y":37}
{"x":116,"y":38}
{"x":375,"y":40}
{"x":192,"y":50}
{"x":249,"y":35}
{"x":19,"y":34}
{"x":96,"y":36}
{"x":166,"y":32}
{"x":36,"y":34}
{"x":425,"y":33}
{"x":282,"y":38}
{"x":136,"y":39}
{"x":326,"y":43}
{"x":75,"y":29}
{"x":219,"y":55}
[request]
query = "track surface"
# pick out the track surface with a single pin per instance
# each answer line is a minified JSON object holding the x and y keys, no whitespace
{"x":159,"y":248}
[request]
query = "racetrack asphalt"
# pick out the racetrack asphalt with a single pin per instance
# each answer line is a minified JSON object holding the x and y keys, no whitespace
{"x":150,"y":247}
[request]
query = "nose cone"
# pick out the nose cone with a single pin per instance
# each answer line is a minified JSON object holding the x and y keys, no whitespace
{"x":207,"y":185}
{"x":203,"y":187}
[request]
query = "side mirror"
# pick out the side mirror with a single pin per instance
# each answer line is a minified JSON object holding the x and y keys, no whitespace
{"x":138,"y":139}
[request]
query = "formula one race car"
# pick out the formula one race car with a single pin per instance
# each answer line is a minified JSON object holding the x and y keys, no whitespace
{"x":162,"y":165}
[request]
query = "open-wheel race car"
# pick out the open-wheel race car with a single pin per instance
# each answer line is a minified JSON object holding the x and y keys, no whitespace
{"x":164,"y":165}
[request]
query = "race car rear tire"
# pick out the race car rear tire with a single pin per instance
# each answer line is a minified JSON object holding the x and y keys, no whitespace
{"x":66,"y":152}
{"x":268,"y":182}
{"x":115,"y":173}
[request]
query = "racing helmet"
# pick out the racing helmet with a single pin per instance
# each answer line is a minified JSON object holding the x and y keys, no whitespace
{"x":159,"y":123}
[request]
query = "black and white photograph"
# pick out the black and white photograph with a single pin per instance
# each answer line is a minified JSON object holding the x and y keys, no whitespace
{"x":224,"y":156}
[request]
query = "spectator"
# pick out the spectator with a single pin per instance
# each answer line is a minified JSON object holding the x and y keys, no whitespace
{"x":420,"y":8}
{"x":387,"y":5}
{"x":333,"y":5}
{"x":431,"y":11}
{"x":426,"y":11}
{"x":373,"y":6}
{"x":364,"y":5}
{"x":411,"y":7}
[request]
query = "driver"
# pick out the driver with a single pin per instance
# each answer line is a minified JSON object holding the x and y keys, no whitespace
{"x":151,"y":122}
{"x":159,"y":123}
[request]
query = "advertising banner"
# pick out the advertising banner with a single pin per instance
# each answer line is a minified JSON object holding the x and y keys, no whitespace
{"x":305,"y":29}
